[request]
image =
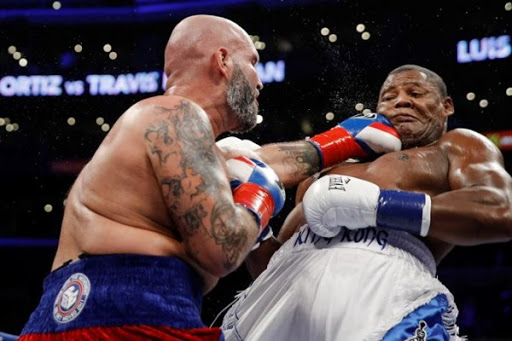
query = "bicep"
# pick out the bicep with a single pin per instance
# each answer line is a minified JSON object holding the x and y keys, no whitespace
{"x":180,"y":145}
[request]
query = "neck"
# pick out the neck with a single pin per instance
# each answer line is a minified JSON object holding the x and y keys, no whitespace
{"x":216,"y":112}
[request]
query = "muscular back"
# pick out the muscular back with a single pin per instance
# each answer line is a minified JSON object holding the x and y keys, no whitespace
{"x":117,"y":204}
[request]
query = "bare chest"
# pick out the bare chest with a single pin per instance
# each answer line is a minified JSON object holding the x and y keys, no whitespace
{"x":420,"y":169}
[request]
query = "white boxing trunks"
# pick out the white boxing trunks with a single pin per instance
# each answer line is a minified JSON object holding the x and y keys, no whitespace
{"x":367,"y":284}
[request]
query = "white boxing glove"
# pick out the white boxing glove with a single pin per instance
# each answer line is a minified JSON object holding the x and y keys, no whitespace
{"x":232,"y":147}
{"x":336,"y":201}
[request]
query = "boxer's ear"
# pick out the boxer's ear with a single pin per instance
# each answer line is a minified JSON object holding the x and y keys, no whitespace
{"x":222,"y":62}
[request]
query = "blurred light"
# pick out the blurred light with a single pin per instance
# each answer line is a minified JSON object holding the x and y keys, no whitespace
{"x":329,"y":116}
{"x":508,"y":6}
{"x":56,"y":5}
{"x":483,"y":103}
{"x":365,"y":36}
{"x":107,"y":47}
{"x":359,"y":106}
{"x":112,"y":55}
{"x":360,"y":28}
{"x":105,"y":127}
{"x":324,"y":31}
{"x":509,"y":92}
{"x":367,"y":111}
{"x":470,"y":96}
{"x":100,"y":121}
{"x":23,"y":62}
{"x":64,"y":202}
{"x":2,"y":121}
{"x":78,"y":48}
{"x":259,"y":119}
{"x":7,"y":120}
{"x":11,"y":49}
{"x":48,"y":208}
{"x":71,"y":121}
{"x":306,"y":127}
{"x":255,"y":38}
{"x":9,"y":127}
{"x":333,"y":38}
{"x":16,"y":55}
{"x":259,"y":45}
{"x":15,"y":126}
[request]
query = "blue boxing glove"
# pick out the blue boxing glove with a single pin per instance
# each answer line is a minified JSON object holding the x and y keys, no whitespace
{"x":360,"y":137}
{"x":336,"y":201}
{"x":256,"y":187}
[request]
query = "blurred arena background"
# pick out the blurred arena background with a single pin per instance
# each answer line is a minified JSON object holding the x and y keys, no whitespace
{"x":69,"y":68}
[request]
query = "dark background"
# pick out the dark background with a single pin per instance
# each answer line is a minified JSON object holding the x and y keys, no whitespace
{"x":39,"y":162}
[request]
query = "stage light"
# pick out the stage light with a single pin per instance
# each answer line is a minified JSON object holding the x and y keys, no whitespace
{"x":360,"y":28}
{"x":367,"y":111}
{"x":2,"y":121}
{"x":329,"y":116}
{"x":365,"y":36}
{"x":359,"y":106}
{"x":9,"y":128}
{"x":107,"y":48}
{"x":100,"y":121}
{"x":105,"y":127}
{"x":483,"y":103}
{"x":16,"y":55}
{"x":15,"y":126}
{"x":470,"y":96}
{"x":23,"y":62}
{"x":78,"y":48}
{"x":56,"y":5}
{"x":71,"y":121}
{"x":259,"y":119}
{"x":112,"y":55}
{"x":11,"y":49}
{"x":508,"y":6}
{"x":509,"y":91}
{"x":48,"y":208}
{"x":324,"y":31}
{"x":333,"y":38}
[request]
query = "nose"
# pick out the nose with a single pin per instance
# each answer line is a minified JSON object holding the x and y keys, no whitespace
{"x":259,"y":86}
{"x":403,"y":101}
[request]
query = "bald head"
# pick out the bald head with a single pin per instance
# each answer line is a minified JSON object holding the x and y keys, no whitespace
{"x":197,"y":37}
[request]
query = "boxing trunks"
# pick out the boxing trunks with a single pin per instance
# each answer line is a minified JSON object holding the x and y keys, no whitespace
{"x":367,"y":284}
{"x":121,"y":297}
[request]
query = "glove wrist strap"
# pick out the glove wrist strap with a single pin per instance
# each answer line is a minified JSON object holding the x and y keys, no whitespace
{"x":334,"y":146}
{"x":257,"y":200}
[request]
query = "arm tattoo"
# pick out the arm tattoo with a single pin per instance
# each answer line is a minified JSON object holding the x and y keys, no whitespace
{"x":302,"y":161}
{"x":183,"y":141}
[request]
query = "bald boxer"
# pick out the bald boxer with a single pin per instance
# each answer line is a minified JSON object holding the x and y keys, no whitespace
{"x":158,"y":214}
{"x":361,"y":248}
{"x":152,"y":222}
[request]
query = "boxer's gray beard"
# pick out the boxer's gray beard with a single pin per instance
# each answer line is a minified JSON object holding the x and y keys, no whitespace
{"x":240,"y":98}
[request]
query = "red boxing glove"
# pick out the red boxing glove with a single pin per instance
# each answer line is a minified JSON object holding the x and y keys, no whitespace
{"x":361,"y":136}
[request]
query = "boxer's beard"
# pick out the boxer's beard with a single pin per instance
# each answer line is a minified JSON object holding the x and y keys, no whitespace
{"x":240,"y":98}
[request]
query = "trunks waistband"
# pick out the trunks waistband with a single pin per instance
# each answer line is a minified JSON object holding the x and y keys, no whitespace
{"x":377,"y":239}
{"x":114,"y":290}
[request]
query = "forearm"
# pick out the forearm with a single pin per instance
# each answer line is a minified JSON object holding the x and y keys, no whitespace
{"x":257,"y":260}
{"x":292,"y":161}
{"x":471,"y":216}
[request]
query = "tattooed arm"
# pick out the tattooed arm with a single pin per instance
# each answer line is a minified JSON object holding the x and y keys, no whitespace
{"x":216,"y":233}
{"x":292,"y":161}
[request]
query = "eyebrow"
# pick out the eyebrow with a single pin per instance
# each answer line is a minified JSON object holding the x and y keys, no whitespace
{"x":384,"y":90}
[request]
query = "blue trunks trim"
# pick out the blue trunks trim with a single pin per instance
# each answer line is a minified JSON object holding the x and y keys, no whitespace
{"x":424,"y":323}
{"x":120,"y":290}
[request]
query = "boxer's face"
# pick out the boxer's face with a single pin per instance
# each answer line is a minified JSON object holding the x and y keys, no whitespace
{"x":243,"y":90}
{"x":415,"y":107}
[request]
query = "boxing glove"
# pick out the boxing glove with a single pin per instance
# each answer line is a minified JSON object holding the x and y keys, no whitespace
{"x":360,"y":137}
{"x":233,"y":142}
{"x":256,"y":187}
{"x":336,"y":201}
